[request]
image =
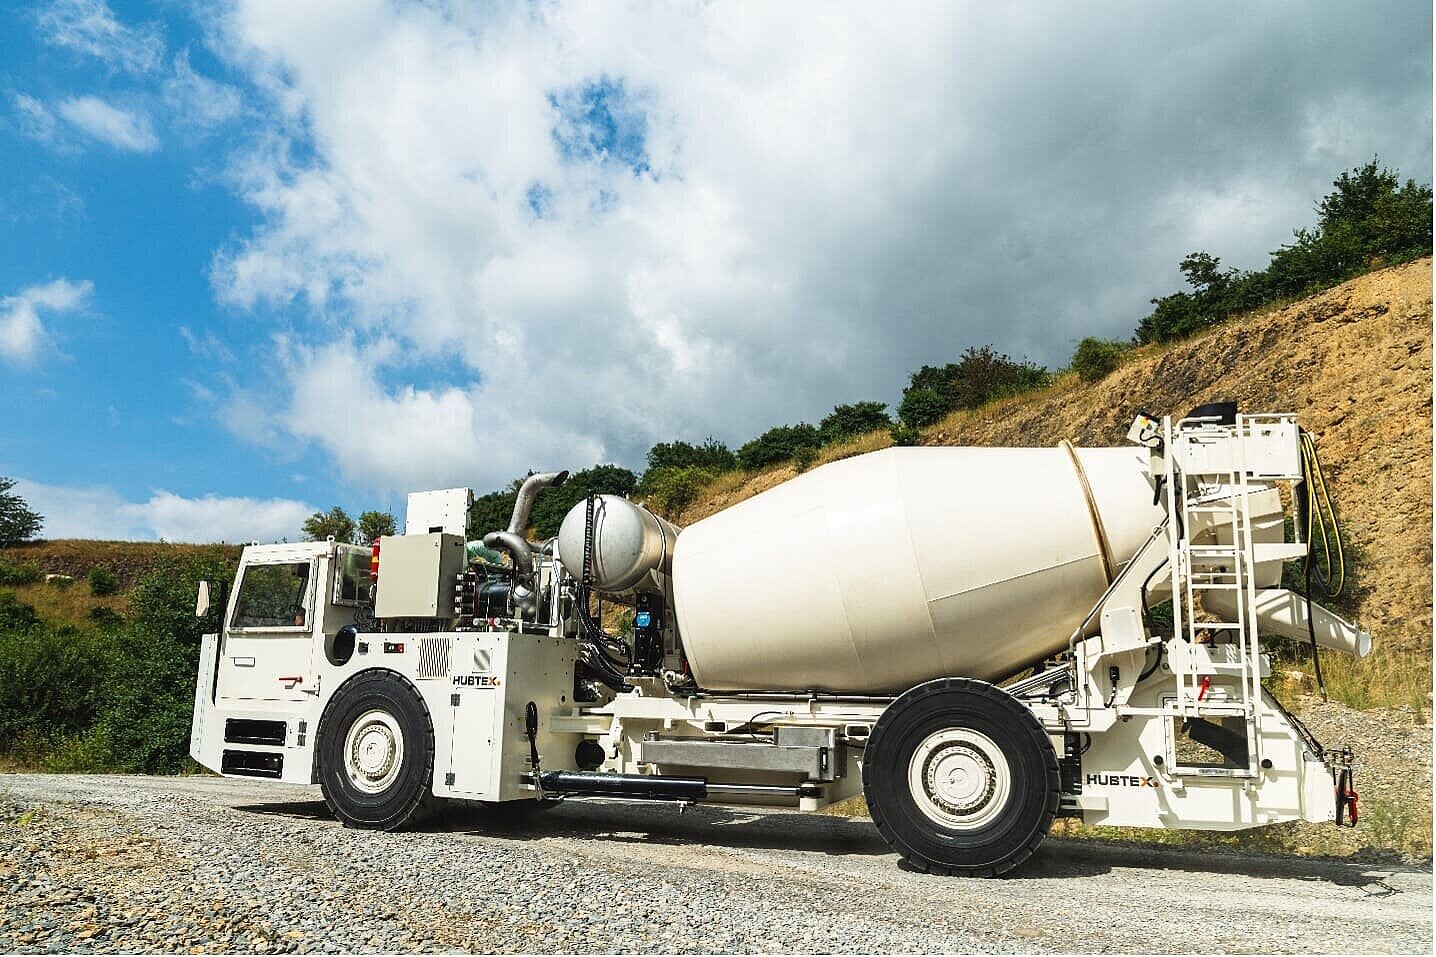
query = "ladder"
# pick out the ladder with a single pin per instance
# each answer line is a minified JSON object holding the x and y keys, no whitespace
{"x":1208,"y":484}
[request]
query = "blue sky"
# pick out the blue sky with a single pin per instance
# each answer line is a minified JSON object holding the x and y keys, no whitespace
{"x":259,"y":258}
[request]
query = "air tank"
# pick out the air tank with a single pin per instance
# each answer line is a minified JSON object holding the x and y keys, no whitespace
{"x":875,"y":573}
{"x":630,"y":544}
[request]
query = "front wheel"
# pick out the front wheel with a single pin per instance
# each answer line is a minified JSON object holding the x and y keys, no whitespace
{"x":375,"y":747}
{"x":960,"y":778}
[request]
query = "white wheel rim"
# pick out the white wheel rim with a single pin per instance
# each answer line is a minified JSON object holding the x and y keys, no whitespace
{"x":373,"y":751}
{"x":959,"y":779}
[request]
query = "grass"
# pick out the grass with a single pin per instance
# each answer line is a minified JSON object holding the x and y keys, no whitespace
{"x":1386,"y":678}
{"x":69,"y":605}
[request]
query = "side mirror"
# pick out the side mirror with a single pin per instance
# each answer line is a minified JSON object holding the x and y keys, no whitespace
{"x":202,"y":600}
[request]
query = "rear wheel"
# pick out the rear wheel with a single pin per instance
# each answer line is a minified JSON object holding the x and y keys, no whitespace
{"x":375,"y":746}
{"x":960,"y":778}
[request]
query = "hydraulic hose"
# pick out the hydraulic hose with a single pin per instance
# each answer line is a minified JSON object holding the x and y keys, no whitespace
{"x":1317,"y":511}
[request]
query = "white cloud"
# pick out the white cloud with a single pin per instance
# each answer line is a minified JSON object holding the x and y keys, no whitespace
{"x":196,"y":101}
{"x":100,"y":512}
{"x":515,"y":236}
{"x":22,"y":332}
{"x":91,"y":27}
{"x":118,"y":127}
{"x":35,"y":119}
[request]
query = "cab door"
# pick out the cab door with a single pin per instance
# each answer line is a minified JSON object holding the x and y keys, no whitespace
{"x":268,"y":648}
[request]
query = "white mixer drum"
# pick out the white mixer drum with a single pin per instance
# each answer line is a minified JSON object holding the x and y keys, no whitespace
{"x":879,"y":572}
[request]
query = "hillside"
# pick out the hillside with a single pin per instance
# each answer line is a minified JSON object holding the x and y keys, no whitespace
{"x":128,"y":560}
{"x":1354,"y":362}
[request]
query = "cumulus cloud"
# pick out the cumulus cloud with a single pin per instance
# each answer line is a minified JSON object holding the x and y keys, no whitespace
{"x":514,"y":236}
{"x":90,"y":27}
{"x":115,"y":126}
{"x":22,"y":331}
{"x":101,"y":512}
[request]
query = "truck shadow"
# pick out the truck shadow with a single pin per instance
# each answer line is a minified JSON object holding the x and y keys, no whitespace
{"x":779,"y":830}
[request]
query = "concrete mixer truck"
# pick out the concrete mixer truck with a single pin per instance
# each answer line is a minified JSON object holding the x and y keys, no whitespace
{"x":975,"y":640}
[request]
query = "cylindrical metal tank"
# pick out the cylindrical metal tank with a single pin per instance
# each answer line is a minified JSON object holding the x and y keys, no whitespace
{"x":878,"y":572}
{"x":629,"y":542}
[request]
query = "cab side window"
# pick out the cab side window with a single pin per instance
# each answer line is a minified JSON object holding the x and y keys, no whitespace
{"x":272,"y":596}
{"x":351,"y":585}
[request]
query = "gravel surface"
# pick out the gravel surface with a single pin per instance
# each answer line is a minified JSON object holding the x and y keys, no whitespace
{"x":106,"y":863}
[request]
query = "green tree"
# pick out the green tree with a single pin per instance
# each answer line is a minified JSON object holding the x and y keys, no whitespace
{"x":778,"y":444}
{"x":553,"y":504}
{"x":491,"y":511}
{"x":1096,"y":358}
{"x":848,"y":421}
{"x":18,"y":523}
{"x":711,"y":455}
{"x":1369,"y":219}
{"x":335,"y":522}
{"x":374,"y":525}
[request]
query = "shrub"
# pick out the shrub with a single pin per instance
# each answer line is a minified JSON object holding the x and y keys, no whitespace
{"x":105,"y":616}
{"x":979,"y":376}
{"x":670,"y":490}
{"x":804,"y":458}
{"x":905,"y":434}
{"x":50,"y":685}
{"x":712,"y":455}
{"x":18,"y":573}
{"x":778,"y":444}
{"x":15,"y":615}
{"x":848,"y":421}
{"x":103,"y":582}
{"x":1096,"y":358}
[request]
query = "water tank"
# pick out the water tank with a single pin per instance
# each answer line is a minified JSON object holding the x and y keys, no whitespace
{"x":878,"y":572}
{"x":629,"y":543}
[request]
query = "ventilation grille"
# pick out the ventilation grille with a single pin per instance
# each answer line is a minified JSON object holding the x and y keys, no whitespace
{"x":252,"y":731}
{"x":433,"y":657}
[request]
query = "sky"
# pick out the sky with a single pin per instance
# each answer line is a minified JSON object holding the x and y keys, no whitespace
{"x":258,"y":258}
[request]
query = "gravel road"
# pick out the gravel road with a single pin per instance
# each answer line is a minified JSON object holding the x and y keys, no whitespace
{"x":105,"y":863}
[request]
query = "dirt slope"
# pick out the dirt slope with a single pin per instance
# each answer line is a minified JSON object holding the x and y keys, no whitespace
{"x":1354,"y":362}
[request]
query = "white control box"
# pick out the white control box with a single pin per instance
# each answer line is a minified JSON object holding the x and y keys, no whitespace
{"x":445,"y":510}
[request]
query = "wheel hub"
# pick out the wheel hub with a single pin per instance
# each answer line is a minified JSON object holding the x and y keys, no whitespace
{"x":373,"y":751}
{"x":959,"y":778}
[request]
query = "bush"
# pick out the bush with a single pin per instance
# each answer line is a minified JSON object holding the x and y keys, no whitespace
{"x":980,"y":375}
{"x":670,"y":490}
{"x":1096,"y":358}
{"x":849,"y":421}
{"x":15,"y":615}
{"x":103,"y":582}
{"x":778,"y":444}
{"x":804,"y":458}
{"x":711,"y":455}
{"x":905,"y":434}
{"x":105,"y":617}
{"x":18,"y":573}
{"x":50,"y":685}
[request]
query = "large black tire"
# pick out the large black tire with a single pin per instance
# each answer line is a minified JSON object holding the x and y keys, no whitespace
{"x":375,"y":753}
{"x":960,"y":778}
